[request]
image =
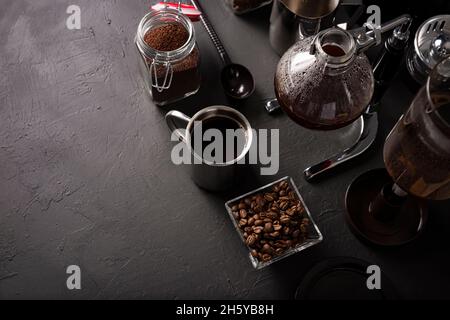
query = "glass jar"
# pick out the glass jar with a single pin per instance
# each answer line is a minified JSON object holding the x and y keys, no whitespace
{"x":323,"y":82}
{"x":243,"y":6}
{"x":170,"y":57}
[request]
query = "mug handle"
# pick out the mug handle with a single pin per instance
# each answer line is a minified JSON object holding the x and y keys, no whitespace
{"x":173,"y":115}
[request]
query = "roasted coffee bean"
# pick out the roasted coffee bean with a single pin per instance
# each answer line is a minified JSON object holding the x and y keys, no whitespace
{"x":266,"y":257}
{"x":303,"y":228}
{"x":280,"y":244}
{"x":242,"y":205}
{"x":243,"y":213}
{"x":261,"y":202}
{"x":251,"y":221}
{"x":272,"y":215}
{"x":247,"y":201}
{"x":269,"y":197}
{"x":296,"y":233}
{"x":277,"y":227}
{"x":290,"y":211}
{"x":275,"y":234}
{"x":267,"y":248}
{"x":250,"y":240}
{"x":254,"y":253}
{"x":259,"y":222}
{"x":268,"y":227}
{"x":276,"y":188}
{"x":286,"y":231}
{"x":279,"y":251}
{"x":284,"y":205}
{"x":267,"y":220}
{"x":258,"y":230}
{"x":257,"y":208}
{"x":242,"y":222}
{"x":283,"y":184}
{"x":235,"y":208}
{"x":285,"y":219}
{"x":282,"y":193}
{"x":248,"y":229}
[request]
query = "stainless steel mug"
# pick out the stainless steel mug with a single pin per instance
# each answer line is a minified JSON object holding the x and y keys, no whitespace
{"x":206,"y":174}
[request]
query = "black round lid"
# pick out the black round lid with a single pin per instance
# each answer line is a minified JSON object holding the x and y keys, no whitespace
{"x":342,"y":278}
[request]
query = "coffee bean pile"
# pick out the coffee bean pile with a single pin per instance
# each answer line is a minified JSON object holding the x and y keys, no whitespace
{"x":272,"y":222}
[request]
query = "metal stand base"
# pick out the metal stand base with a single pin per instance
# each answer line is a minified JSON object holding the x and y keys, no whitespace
{"x":405,"y":226}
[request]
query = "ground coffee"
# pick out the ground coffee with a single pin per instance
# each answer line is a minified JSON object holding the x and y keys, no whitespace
{"x":167,"y":37}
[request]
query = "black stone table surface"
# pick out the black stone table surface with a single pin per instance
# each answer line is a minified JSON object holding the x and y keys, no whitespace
{"x":86,"y":177}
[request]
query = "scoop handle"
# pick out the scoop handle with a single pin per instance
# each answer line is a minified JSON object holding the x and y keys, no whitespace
{"x":212,"y":33}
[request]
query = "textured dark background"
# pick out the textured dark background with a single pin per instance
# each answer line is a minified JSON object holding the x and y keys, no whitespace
{"x":86,"y":176}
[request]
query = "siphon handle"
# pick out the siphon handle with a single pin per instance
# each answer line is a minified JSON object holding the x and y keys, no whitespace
{"x":212,"y":33}
{"x":367,"y":135}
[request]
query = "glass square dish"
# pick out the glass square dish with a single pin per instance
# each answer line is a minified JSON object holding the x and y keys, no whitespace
{"x":312,"y":237}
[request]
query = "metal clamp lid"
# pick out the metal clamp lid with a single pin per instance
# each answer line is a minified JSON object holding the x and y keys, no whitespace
{"x":168,"y":75}
{"x":431,"y":45}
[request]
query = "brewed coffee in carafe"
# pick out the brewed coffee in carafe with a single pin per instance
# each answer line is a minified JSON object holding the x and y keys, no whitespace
{"x":417,"y":152}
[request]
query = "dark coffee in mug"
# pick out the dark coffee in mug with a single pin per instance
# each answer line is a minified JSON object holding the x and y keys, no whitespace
{"x":218,"y":139}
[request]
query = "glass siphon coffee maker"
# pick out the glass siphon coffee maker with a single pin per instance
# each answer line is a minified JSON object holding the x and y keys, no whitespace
{"x":386,"y":206}
{"x":325,"y":82}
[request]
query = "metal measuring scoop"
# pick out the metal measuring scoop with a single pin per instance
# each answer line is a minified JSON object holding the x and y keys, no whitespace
{"x":237,"y":80}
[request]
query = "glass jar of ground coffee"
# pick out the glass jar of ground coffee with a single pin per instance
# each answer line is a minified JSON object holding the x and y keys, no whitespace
{"x":170,"y":60}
